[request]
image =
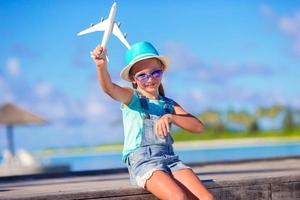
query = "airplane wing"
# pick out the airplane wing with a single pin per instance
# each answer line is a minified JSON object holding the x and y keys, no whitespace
{"x":97,"y":27}
{"x":117,"y":32}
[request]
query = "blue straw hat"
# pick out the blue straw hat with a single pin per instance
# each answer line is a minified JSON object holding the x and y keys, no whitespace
{"x":141,"y":51}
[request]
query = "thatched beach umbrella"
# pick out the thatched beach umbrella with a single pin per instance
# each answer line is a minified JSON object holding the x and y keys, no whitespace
{"x":11,"y":115}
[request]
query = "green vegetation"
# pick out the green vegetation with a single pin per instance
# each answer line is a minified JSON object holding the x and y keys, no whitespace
{"x":182,"y":135}
{"x":223,"y":122}
{"x":217,"y":126}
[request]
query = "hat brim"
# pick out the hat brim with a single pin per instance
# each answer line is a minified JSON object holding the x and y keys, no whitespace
{"x":125,"y":72}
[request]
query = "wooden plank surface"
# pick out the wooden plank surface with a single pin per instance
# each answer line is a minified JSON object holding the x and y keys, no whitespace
{"x":279,"y":179}
{"x":290,"y":190}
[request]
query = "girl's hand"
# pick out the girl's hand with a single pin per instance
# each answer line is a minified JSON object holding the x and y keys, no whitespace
{"x":99,"y":56}
{"x":162,"y":126}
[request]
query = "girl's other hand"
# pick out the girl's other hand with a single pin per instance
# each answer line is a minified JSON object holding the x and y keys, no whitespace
{"x":162,"y":126}
{"x":99,"y":56}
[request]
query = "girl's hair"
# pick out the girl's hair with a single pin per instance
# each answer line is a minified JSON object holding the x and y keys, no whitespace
{"x":161,"y":90}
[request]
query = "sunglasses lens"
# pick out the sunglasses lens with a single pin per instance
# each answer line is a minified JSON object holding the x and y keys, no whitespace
{"x":156,"y":73}
{"x":142,"y":77}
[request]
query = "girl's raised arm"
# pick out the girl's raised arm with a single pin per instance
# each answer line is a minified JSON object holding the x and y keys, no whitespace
{"x":122,"y":94}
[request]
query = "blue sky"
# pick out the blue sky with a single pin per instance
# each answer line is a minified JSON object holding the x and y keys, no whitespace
{"x":225,"y":54}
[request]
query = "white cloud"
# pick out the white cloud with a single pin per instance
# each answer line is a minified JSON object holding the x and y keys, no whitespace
{"x":98,"y":106}
{"x":267,"y":11}
{"x":289,"y":25}
{"x":199,"y":100}
{"x":43,"y":89}
{"x":13,"y":66}
{"x":6,"y":94}
{"x":56,"y":110}
{"x":61,"y":110}
{"x":187,"y":66}
{"x":92,"y":120}
{"x":199,"y":96}
{"x":94,"y":108}
{"x":181,"y":58}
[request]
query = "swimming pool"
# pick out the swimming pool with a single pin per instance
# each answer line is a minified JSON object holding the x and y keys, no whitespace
{"x":96,"y":161}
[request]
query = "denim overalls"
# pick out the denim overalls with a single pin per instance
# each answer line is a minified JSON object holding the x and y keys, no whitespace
{"x":149,"y":137}
{"x":154,"y":153}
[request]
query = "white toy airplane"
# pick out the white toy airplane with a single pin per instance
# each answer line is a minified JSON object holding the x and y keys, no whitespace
{"x":108,"y":26}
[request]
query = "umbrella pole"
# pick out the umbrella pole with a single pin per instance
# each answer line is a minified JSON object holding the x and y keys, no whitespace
{"x":10,"y":139}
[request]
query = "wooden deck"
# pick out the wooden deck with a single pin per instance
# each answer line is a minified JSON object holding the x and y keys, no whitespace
{"x":271,"y":179}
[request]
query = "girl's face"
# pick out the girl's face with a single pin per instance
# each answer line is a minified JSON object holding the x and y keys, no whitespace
{"x":147,"y":74}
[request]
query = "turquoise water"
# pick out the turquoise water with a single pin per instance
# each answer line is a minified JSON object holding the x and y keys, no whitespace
{"x":95,"y":161}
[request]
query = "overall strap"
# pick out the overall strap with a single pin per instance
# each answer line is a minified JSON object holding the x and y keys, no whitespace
{"x":144,"y":104}
{"x":168,"y":105}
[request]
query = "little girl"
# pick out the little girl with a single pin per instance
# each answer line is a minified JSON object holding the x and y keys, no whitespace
{"x":147,"y":118}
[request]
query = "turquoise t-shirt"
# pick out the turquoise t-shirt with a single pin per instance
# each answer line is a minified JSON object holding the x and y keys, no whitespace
{"x":133,"y":121}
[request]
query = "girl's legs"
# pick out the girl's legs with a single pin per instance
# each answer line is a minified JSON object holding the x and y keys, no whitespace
{"x":163,"y":186}
{"x":192,"y":185}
